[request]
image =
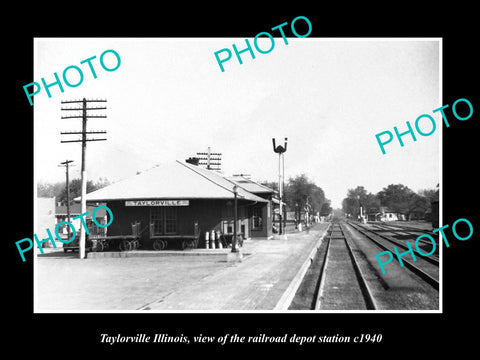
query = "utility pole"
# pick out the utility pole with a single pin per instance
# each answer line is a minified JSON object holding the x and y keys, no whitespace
{"x":84,"y":116}
{"x":65,"y":164}
{"x":210,"y":159}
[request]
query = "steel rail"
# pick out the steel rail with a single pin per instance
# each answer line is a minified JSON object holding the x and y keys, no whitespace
{"x":432,"y":260}
{"x":366,"y":292}
{"x":416,"y":270}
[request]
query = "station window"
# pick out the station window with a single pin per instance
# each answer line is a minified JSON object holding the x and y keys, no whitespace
{"x":257,"y":220}
{"x":170,"y":220}
{"x":164,"y":220}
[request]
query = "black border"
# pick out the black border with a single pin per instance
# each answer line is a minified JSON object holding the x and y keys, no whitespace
{"x":79,"y":333}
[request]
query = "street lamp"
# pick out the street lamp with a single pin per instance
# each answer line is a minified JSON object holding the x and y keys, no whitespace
{"x":234,"y":240}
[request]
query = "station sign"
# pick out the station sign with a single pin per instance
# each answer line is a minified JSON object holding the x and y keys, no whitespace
{"x":157,"y":203}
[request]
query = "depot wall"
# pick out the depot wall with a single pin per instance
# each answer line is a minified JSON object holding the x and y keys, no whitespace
{"x":210,"y":214}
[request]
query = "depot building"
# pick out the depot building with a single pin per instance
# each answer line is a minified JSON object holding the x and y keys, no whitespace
{"x":180,"y":198}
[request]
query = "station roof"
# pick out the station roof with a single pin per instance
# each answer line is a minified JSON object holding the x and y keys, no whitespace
{"x":175,"y":180}
{"x":250,"y":185}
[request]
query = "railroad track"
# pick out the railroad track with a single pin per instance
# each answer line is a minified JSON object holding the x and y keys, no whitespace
{"x":342,"y":277}
{"x":404,"y":232}
{"x":397,"y":230}
{"x":424,"y":244}
{"x":405,"y":228}
{"x":407,"y":233}
{"x":425,"y":267}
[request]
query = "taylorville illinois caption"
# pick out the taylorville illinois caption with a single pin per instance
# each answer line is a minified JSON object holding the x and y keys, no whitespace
{"x":237,"y":339}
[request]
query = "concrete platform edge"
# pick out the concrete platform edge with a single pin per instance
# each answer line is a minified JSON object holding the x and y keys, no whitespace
{"x":292,"y":288}
{"x":219,"y":253}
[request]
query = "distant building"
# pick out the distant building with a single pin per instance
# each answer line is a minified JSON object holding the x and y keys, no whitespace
{"x":383,"y":214}
{"x":45,"y":217}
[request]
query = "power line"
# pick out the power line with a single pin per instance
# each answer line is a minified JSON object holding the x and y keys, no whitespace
{"x":212,"y":160}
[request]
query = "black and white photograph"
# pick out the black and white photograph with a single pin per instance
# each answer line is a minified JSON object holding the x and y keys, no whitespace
{"x":229,"y":183}
{"x":263,"y":187}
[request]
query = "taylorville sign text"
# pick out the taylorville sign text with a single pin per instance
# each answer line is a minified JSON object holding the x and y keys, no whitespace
{"x":157,"y":203}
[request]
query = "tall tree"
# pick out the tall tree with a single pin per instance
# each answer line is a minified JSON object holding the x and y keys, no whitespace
{"x":326,"y":208}
{"x":430,"y":194}
{"x":418,"y":205}
{"x":45,"y":189}
{"x":59,"y":189}
{"x":300,"y":189}
{"x":396,"y":197}
{"x":355,"y":198}
{"x":75,"y":190}
{"x":371,"y":202}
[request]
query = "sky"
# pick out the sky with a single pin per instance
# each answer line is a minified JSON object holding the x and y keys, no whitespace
{"x":169,"y":99}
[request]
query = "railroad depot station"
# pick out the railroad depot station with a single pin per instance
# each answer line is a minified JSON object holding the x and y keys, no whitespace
{"x":180,"y":205}
{"x":180,"y":200}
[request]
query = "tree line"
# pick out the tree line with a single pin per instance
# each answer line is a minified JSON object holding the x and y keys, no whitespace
{"x":59,"y":189}
{"x":397,"y":198}
{"x":300,"y":189}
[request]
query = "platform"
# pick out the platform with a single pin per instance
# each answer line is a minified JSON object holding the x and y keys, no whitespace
{"x":200,"y":280}
{"x":265,"y":280}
